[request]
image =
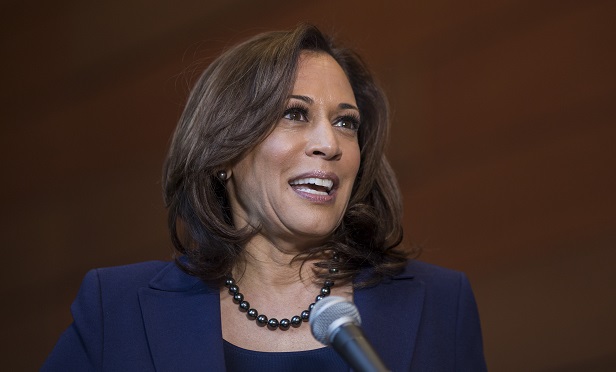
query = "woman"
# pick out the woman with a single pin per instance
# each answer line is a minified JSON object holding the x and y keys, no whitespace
{"x":278,"y":191}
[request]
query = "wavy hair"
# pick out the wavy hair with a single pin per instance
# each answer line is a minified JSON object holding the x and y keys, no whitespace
{"x":213,"y":133}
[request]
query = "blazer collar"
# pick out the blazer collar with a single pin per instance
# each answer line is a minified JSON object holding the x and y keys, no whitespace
{"x":390,"y":314}
{"x":182,"y":321}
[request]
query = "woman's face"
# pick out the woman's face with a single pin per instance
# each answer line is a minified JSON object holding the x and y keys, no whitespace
{"x":296,"y":184}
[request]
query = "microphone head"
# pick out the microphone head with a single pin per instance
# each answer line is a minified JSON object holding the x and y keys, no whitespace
{"x":329,"y":314}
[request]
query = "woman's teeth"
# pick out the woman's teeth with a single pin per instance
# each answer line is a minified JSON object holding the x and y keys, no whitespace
{"x":324,"y":189}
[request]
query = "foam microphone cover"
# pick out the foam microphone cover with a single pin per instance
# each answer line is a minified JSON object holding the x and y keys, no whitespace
{"x":335,"y":322}
{"x":329,"y":314}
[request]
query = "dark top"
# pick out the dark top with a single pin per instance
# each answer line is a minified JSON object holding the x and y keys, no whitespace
{"x":324,"y":359}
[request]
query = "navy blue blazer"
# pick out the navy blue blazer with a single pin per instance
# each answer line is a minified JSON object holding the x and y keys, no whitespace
{"x":153,"y":317}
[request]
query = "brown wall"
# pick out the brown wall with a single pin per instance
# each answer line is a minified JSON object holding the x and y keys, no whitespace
{"x":503,"y":141}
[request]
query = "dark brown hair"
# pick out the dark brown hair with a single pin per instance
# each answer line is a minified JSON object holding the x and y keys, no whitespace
{"x":234,"y":105}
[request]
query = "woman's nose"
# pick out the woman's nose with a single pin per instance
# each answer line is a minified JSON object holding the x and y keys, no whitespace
{"x":323,"y":141}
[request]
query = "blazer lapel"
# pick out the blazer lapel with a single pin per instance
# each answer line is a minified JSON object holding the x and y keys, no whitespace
{"x":390,"y":314}
{"x":182,"y":321}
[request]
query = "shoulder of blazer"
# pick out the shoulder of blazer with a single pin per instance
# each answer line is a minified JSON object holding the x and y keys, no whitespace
{"x":159,"y":275}
{"x":422,"y":272}
{"x":426,"y":271}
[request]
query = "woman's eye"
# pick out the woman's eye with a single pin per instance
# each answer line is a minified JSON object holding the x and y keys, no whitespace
{"x":295,"y":114}
{"x":348,"y":122}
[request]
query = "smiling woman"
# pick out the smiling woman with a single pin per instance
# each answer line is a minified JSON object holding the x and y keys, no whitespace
{"x":276,"y":182}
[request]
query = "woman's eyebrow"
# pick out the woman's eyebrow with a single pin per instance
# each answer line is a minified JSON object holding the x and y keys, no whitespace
{"x":348,"y":106}
{"x":302,"y":98}
{"x":311,"y":101}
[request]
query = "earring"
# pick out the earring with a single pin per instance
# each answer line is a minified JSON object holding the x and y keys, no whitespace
{"x":222,"y":175}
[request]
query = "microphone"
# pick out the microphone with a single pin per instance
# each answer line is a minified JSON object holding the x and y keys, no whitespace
{"x":335,"y":321}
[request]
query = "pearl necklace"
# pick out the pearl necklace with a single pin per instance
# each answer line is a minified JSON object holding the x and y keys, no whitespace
{"x":273,"y":323}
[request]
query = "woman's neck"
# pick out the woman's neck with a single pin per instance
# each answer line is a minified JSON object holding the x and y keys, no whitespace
{"x":273,"y":265}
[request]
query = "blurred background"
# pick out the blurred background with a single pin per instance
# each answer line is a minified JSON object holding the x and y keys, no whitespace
{"x":503,"y":140}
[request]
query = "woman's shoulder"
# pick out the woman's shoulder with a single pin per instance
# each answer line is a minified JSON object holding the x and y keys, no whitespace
{"x":426,"y":270}
{"x":119,"y":288}
{"x":162,"y":275}
{"x":432,"y":275}
{"x":141,"y":272}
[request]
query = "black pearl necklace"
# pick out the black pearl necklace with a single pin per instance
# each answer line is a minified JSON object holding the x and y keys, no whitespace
{"x":273,"y":323}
